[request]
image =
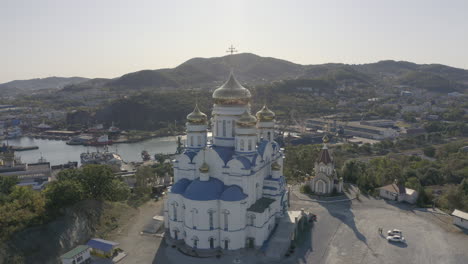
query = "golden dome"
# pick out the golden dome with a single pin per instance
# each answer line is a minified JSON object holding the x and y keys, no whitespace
{"x":231,"y":93}
{"x":197,"y":117}
{"x":204,"y":168}
{"x":265,"y":114}
{"x":275,"y":166}
{"x":246,"y":120}
{"x":325,"y":139}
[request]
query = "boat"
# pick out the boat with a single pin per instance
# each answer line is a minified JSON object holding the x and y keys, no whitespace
{"x":13,"y":132}
{"x":100,"y":141}
{"x":80,"y":140}
{"x":103,"y":158}
{"x":20,"y":148}
{"x":145,"y":155}
{"x":113,"y":129}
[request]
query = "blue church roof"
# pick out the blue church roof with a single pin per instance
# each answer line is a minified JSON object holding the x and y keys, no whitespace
{"x":180,"y":186}
{"x":233,"y":193}
{"x":261,"y":147}
{"x":225,"y":153}
{"x":204,"y":190}
{"x":190,"y":154}
{"x":245,"y":161}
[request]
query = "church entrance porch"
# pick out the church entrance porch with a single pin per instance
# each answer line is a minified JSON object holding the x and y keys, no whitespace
{"x":320,"y":187}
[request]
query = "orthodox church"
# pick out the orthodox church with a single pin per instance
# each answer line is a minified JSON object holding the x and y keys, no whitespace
{"x":228,"y":193}
{"x":325,"y":179}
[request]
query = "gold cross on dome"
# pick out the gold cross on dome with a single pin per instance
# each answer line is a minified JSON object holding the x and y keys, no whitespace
{"x":231,"y":49}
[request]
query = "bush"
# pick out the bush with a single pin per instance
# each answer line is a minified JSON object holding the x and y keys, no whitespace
{"x":306,"y":189}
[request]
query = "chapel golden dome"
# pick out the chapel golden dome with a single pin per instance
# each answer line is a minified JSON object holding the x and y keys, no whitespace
{"x":231,"y":93}
{"x":197,"y":117}
{"x":246,"y":120}
{"x":275,"y":166}
{"x":204,"y":168}
{"x":265,"y":114}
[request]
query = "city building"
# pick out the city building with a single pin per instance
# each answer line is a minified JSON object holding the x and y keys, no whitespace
{"x":355,"y":128}
{"x":460,"y":218}
{"x":398,"y":192}
{"x":325,"y":179}
{"x":79,"y":255}
{"x":228,"y":193}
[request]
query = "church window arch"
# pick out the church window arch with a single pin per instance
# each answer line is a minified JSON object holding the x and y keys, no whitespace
{"x":199,"y":140}
{"x":174,"y":210}
{"x":211,"y":218}
{"x":233,"y":133}
{"x":224,"y":128}
{"x":211,"y":241}
{"x":251,"y":219}
{"x":217,"y":128}
{"x":195,"y":241}
{"x":226,"y":219}
{"x":241,"y":145}
{"x":249,"y":145}
{"x":194,"y":211}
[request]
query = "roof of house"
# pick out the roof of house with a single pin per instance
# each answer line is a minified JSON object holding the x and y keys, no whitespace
{"x":72,"y":253}
{"x":460,"y":214}
{"x":395,"y":188}
{"x":101,"y":244}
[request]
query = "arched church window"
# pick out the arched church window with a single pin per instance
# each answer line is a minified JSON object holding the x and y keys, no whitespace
{"x":217,"y":128}
{"x":226,"y":219}
{"x":210,"y":215}
{"x":191,"y":141}
{"x":194,"y":211}
{"x":269,"y":135}
{"x":233,"y":132}
{"x":251,"y":220}
{"x":174,"y":211}
{"x":224,"y":128}
{"x":250,"y":145}
{"x":241,"y":144}
{"x":199,"y":140}
{"x":195,"y":241}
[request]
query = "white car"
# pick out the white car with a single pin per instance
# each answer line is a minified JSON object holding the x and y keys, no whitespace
{"x":396,"y":238}
{"x":394,"y":232}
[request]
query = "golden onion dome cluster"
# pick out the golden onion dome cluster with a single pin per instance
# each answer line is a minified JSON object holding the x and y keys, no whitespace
{"x":231,"y":93}
{"x":265,"y":114}
{"x":246,"y":120}
{"x":197,"y":117}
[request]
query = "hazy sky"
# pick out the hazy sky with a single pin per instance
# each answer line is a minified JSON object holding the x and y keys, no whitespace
{"x":108,"y":38}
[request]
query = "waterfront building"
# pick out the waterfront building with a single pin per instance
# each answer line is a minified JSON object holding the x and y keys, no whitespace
{"x":228,"y":193}
{"x":325,"y":179}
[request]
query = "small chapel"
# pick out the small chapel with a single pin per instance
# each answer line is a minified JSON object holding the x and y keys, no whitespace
{"x":229,"y":192}
{"x":325,"y":179}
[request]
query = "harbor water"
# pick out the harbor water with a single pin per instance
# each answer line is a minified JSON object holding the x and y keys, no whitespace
{"x":58,"y":152}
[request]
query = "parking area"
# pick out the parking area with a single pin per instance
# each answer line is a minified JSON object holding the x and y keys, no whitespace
{"x":345,"y":232}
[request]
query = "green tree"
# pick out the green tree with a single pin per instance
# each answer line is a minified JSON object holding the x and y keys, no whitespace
{"x":429,"y":151}
{"x":62,"y":193}
{"x":7,"y":183}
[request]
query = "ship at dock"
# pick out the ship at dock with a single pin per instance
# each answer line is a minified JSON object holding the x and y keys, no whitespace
{"x":105,"y":157}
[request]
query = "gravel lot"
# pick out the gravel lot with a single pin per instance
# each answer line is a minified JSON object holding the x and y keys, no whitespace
{"x":346,"y":232}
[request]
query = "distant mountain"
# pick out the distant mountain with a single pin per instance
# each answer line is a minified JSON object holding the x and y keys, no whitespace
{"x":19,"y":86}
{"x":251,"y":69}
